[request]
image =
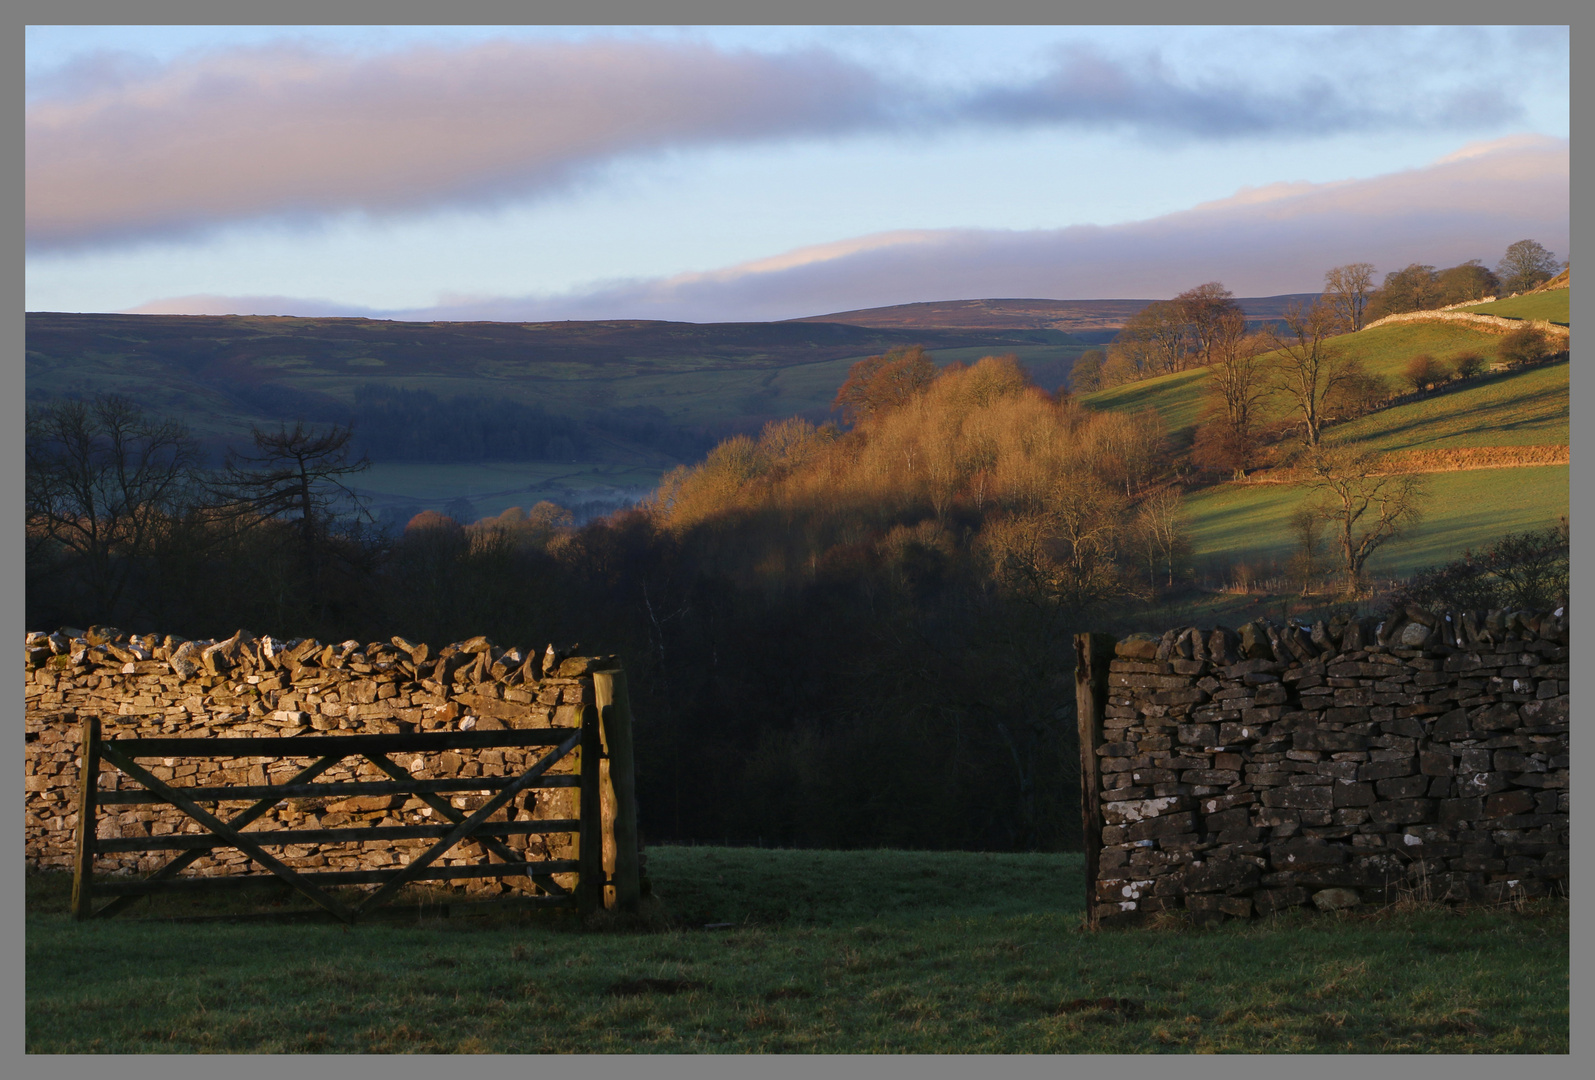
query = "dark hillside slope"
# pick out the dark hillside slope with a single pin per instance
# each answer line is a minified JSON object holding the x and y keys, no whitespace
{"x":1086,"y":318}
{"x":222,"y":373}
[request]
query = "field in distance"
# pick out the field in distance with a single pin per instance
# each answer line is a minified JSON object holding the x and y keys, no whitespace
{"x":1094,"y":320}
{"x":1494,"y":448}
{"x":1552,"y":305}
{"x":646,"y":396}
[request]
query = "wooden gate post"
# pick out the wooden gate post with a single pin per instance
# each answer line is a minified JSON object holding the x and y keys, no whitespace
{"x":614,"y":710}
{"x":1092,"y":655}
{"x":590,"y":834}
{"x":88,"y":802}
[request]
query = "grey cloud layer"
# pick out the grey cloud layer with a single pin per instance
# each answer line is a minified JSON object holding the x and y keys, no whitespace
{"x":121,"y":152}
{"x":1265,"y":242}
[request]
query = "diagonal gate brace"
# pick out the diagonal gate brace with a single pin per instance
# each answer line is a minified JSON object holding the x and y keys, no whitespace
{"x":466,"y":827}
{"x":443,"y":807}
{"x":246,"y":817}
{"x":229,"y":835}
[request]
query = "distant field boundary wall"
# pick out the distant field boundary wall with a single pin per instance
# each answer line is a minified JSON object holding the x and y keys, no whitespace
{"x":1229,"y":774}
{"x":1494,"y":324}
{"x":1455,"y":459}
{"x":149,"y":687}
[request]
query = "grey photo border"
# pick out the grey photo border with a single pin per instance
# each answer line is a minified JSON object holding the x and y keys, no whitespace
{"x":716,"y":12}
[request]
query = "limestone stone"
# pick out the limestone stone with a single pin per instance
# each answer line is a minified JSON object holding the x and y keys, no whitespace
{"x":1336,"y":899}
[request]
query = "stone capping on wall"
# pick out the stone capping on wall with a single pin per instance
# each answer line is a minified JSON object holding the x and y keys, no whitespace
{"x":1500,"y":324}
{"x":148,"y":686}
{"x":1338,"y":765}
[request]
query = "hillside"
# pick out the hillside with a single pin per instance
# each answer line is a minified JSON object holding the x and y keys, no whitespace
{"x":1552,"y":305}
{"x":1383,"y":350}
{"x":1474,"y":442}
{"x":569,"y":411}
{"x":1097,"y":320}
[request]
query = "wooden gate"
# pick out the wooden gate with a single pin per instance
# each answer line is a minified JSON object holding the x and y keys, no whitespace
{"x":607,"y":871}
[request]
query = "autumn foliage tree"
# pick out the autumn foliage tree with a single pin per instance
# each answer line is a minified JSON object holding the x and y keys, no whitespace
{"x":888,"y":381}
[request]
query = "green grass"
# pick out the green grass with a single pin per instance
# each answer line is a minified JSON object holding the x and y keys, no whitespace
{"x":1523,"y":408}
{"x":1243,"y":522}
{"x":1177,"y":398}
{"x":1384,"y":350}
{"x":832,"y":952}
{"x":1552,"y":306}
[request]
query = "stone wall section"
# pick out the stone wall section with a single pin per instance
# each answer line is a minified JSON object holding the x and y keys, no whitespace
{"x":1242,"y":773}
{"x":149,"y":687}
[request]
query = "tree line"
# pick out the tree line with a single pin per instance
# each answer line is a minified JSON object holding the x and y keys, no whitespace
{"x":849,"y":634}
{"x":1198,"y":326}
{"x":839,"y":635}
{"x":404,"y":424}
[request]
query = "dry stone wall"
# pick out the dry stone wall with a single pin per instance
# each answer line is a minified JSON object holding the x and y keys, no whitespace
{"x":148,"y":687}
{"x":1242,"y":773}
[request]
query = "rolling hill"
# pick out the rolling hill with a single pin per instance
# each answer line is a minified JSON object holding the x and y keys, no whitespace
{"x":1094,"y":320}
{"x":1552,"y":305}
{"x":619,"y":402}
{"x":1494,"y":449}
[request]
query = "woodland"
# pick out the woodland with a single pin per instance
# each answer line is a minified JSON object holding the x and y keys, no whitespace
{"x":849,"y":634}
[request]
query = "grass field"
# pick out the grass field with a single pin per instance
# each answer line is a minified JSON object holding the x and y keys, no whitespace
{"x":493,"y":487}
{"x":1466,"y":509}
{"x":1552,"y":306}
{"x":1384,"y":350}
{"x":829,"y":952}
{"x":1523,"y":408}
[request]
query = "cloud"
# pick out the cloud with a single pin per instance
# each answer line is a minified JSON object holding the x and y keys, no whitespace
{"x":1087,"y":87}
{"x":290,"y":132}
{"x":121,"y":150}
{"x":214,"y":304}
{"x":1259,"y":242}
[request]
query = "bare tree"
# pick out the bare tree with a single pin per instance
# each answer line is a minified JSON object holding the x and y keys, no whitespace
{"x":1526,"y":264}
{"x":1305,"y":525}
{"x":1155,"y":340}
{"x":1363,"y":506}
{"x":1160,"y":520}
{"x":1126,"y":448}
{"x":1235,"y":381}
{"x":1209,"y":311}
{"x":1415,"y":287}
{"x":1086,"y":374}
{"x":104,"y":483}
{"x":1308,"y":369}
{"x":294,"y":475}
{"x":1347,"y":289}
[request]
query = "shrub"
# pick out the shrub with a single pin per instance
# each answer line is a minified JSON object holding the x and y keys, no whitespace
{"x":1526,"y":570}
{"x":1424,"y":371}
{"x":1358,"y":392}
{"x":1524,"y":345}
{"x":1468,"y":364}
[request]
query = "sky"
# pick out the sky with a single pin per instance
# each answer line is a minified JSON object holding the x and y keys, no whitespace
{"x":752,"y":173}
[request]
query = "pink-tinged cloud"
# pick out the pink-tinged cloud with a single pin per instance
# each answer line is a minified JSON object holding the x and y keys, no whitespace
{"x":119,"y":151}
{"x":1259,"y":242}
{"x":280,"y":132}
